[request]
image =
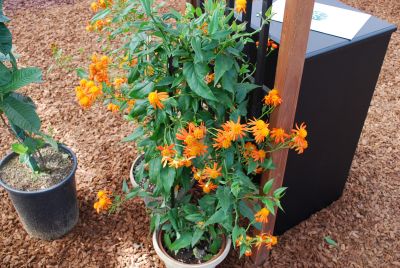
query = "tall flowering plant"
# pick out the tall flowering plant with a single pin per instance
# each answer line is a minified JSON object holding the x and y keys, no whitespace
{"x":184,"y":80}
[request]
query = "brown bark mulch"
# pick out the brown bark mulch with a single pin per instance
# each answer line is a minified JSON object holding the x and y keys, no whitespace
{"x":365,"y":222}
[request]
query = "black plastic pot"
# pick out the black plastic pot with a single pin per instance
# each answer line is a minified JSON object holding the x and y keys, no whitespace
{"x":50,"y":213}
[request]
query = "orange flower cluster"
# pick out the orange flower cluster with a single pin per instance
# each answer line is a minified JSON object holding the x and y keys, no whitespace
{"x":260,"y":130}
{"x":98,"y":69}
{"x":204,"y":177}
{"x":103,"y":202}
{"x":87,"y":92}
{"x":273,"y":98}
{"x":230,"y":131}
{"x":169,"y":157}
{"x":193,"y":139}
{"x":299,"y":142}
{"x":98,"y":25}
{"x":267,"y":240}
{"x":251,"y":151}
{"x":100,"y":4}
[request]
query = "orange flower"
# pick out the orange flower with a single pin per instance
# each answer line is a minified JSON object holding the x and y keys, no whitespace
{"x":198,"y":174}
{"x":119,"y":81}
{"x":240,"y":240}
{"x":213,"y":172}
{"x":248,"y":150}
{"x":279,"y":135}
{"x":103,"y":201}
{"x":299,"y":144}
{"x":198,"y":132}
{"x":259,"y":170}
{"x":94,"y":6}
{"x":248,"y":252}
{"x":167,"y":150}
{"x":113,"y":107}
{"x":204,"y":28}
{"x":98,"y":69}
{"x":259,"y":129}
{"x":178,"y":162}
{"x":300,"y":131}
{"x":273,"y":98}
{"x":209,"y":78}
{"x":259,"y":155}
{"x":262,"y":215}
{"x":194,"y":149}
{"x":235,"y":130}
{"x":222,"y":140}
{"x":87,"y":92}
{"x":240,"y":6}
{"x":155,"y":99}
{"x":208,"y":186}
{"x":185,"y":136}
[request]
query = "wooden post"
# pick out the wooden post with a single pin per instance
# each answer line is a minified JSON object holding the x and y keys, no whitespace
{"x":293,"y":45}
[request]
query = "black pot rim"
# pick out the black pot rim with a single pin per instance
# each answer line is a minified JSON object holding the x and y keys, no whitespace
{"x":61,"y":183}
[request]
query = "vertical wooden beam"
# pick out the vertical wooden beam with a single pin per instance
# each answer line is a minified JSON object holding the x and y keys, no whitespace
{"x":293,"y":46}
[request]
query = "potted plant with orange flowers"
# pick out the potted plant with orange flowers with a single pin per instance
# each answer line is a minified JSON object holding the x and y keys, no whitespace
{"x":189,"y":81}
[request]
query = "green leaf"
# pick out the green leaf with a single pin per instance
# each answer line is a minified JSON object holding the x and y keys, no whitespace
{"x":236,"y":233}
{"x":154,"y":169}
{"x":125,"y":187}
{"x":251,"y":166}
{"x":195,"y":217}
{"x":195,"y":75}
{"x":183,"y":241}
{"x":242,"y":90}
{"x":198,"y":233}
{"x":215,"y":245}
{"x":5,"y":39}
{"x":330,"y":241}
{"x":218,"y":216}
{"x":167,"y":240}
{"x":100,"y":15}
{"x":81,"y":73}
{"x":5,"y":75}
{"x":22,"y":77}
{"x":224,"y":198}
{"x":223,"y":63}
{"x":168,"y":178}
{"x":19,"y":148}
{"x":133,"y":136}
{"x":267,"y":186}
{"x":21,"y":114}
{"x":280,"y":192}
{"x":269,"y":204}
{"x":147,"y":6}
{"x":196,"y":45}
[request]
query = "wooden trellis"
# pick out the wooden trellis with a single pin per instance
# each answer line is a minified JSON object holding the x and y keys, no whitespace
{"x":293,"y":45}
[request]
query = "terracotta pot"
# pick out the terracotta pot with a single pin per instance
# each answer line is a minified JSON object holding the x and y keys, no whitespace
{"x":172,"y":263}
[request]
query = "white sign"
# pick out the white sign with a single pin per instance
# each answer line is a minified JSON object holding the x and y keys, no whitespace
{"x":328,"y":19}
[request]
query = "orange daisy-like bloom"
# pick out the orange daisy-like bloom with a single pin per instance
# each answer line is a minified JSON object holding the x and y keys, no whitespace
{"x":259,"y":129}
{"x":178,"y":162}
{"x":259,"y":155}
{"x":167,"y":150}
{"x":213,"y":172}
{"x":98,"y":69}
{"x":185,"y":136}
{"x":198,"y":132}
{"x":87,"y":92}
{"x":94,"y":6}
{"x":279,"y":135}
{"x":300,"y":131}
{"x":240,"y":6}
{"x":113,"y":107}
{"x":103,"y":201}
{"x":248,"y":149}
{"x":273,"y":98}
{"x":208,"y":186}
{"x":209,"y":78}
{"x":262,"y":215}
{"x":155,"y":99}
{"x":235,"y":130}
{"x":222,"y":140}
{"x":198,"y":174}
{"x":194,"y":149}
{"x":299,"y":144}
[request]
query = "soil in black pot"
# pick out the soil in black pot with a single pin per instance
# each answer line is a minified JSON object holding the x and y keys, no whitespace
{"x":58,"y":165}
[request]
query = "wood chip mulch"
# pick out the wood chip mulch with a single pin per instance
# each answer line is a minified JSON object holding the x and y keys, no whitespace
{"x":365,"y":222}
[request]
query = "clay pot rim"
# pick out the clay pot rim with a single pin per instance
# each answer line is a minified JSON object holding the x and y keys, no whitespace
{"x":161,"y":246}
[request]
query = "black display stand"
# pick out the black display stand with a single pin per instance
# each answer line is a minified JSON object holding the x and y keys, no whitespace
{"x":338,"y":83}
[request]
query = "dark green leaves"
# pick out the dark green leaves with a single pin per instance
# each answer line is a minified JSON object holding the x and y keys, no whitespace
{"x":5,"y":75}
{"x":267,"y":186}
{"x":22,"y":77}
{"x":5,"y":39}
{"x":167,"y":178}
{"x":183,"y":241}
{"x":195,"y":74}
{"x":21,"y":114}
{"x":135,"y":135}
{"x":223,"y":63}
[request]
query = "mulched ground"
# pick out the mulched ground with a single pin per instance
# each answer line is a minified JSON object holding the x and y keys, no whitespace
{"x":365,"y":221}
